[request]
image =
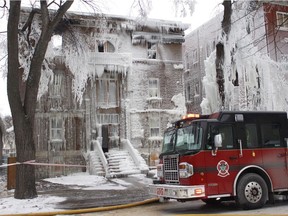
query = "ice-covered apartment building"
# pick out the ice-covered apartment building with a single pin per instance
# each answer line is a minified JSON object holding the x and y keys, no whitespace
{"x":135,"y":90}
{"x":266,"y":26}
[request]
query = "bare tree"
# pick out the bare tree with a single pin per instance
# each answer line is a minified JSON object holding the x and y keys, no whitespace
{"x":23,"y":111}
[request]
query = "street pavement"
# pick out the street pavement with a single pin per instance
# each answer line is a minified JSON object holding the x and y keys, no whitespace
{"x":79,"y":198}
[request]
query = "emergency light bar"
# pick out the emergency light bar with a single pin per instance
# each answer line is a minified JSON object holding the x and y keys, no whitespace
{"x":191,"y":115}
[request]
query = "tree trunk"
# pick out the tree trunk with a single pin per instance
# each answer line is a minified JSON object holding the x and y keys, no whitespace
{"x":1,"y":143}
{"x":23,"y":112}
{"x":25,"y":174}
{"x":220,"y":53}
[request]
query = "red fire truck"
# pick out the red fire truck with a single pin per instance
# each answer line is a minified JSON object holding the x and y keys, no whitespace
{"x":229,"y":155}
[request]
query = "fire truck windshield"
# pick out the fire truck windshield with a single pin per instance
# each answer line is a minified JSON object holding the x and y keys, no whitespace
{"x":189,"y":138}
{"x":169,"y":140}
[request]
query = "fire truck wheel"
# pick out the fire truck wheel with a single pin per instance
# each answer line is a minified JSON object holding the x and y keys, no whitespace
{"x":252,"y":191}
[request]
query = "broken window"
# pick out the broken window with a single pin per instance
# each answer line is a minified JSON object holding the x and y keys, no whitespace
{"x":154,"y":90}
{"x":56,"y":130}
{"x":107,"y":91}
{"x":152,"y":47}
{"x":154,"y":124}
{"x":282,"y":20}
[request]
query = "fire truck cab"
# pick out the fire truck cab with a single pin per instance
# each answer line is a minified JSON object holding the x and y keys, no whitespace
{"x":225,"y":156}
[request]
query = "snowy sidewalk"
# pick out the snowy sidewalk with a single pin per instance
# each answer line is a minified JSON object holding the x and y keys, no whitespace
{"x":78,"y":191}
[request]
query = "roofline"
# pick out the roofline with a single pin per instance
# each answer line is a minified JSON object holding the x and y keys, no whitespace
{"x":144,"y":21}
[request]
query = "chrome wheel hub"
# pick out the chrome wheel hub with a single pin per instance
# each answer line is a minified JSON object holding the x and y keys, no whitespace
{"x":253,"y":192}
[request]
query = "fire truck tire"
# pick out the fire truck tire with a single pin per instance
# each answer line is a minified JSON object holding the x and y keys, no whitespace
{"x":252,"y":191}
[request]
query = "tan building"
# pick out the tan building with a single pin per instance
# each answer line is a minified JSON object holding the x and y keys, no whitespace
{"x":135,"y":91}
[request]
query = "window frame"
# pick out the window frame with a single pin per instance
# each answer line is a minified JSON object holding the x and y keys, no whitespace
{"x":104,"y":90}
{"x":211,"y":141}
{"x":56,"y":85}
{"x":59,"y":121}
{"x":282,"y":22}
{"x":264,"y":135}
{"x":250,"y":145}
{"x":151,"y":50}
{"x":152,"y":89}
{"x":154,"y":124}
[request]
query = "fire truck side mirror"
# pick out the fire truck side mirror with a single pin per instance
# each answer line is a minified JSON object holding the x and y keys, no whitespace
{"x":218,"y":141}
{"x":217,"y":144}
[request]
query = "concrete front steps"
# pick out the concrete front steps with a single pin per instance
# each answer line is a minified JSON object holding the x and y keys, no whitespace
{"x":120,"y":163}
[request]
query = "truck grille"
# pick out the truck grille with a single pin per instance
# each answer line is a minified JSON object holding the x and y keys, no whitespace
{"x":171,"y":169}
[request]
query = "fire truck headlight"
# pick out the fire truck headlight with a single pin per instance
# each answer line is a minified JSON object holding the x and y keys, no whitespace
{"x":185,"y":170}
{"x":160,"y":170}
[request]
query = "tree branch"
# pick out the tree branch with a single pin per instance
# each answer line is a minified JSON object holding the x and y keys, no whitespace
{"x":60,"y":13}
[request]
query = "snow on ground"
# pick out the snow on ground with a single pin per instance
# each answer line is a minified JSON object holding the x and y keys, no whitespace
{"x":47,"y":203}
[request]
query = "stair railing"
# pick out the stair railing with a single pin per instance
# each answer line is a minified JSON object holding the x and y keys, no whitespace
{"x":135,"y":155}
{"x":98,"y":148}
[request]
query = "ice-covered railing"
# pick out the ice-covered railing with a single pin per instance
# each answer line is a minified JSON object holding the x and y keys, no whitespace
{"x":98,"y":148}
{"x":138,"y":160}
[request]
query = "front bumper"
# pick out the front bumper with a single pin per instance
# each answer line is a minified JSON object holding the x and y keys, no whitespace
{"x":177,"y":191}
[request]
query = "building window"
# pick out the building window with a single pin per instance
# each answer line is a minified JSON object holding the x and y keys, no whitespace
{"x":189,"y":95}
{"x":152,"y":48}
{"x":187,"y":61}
{"x":56,"y":130}
{"x":154,"y":90}
{"x":56,"y":86}
{"x":154,"y":124}
{"x":282,"y":20}
{"x":208,"y":50}
{"x":105,"y":46}
{"x":109,"y":119}
{"x":194,"y":56}
{"x":197,"y":89}
{"x":107,"y":91}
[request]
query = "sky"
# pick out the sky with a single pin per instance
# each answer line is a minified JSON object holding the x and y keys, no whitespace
{"x":204,"y":10}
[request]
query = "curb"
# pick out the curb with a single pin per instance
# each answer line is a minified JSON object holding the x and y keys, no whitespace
{"x":88,"y":210}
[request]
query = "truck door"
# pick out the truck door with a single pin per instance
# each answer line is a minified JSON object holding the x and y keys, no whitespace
{"x":221,"y":163}
{"x":274,"y":153}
